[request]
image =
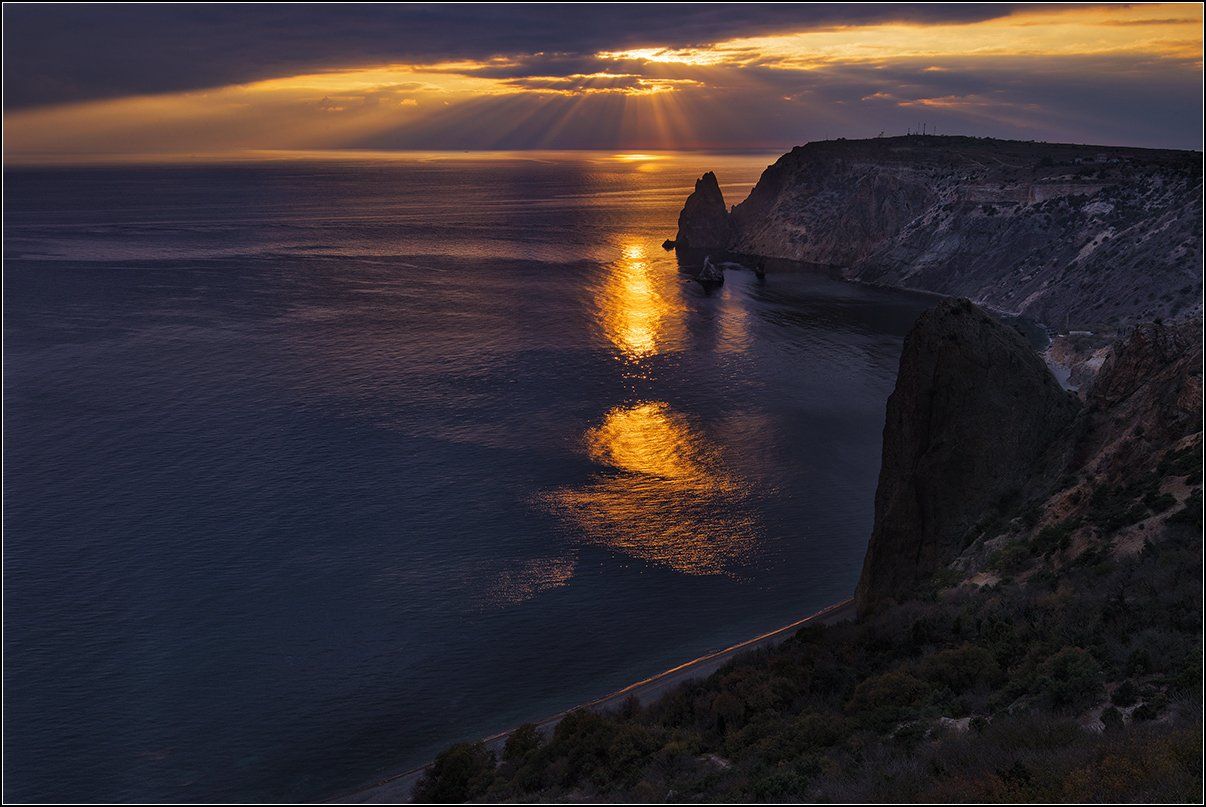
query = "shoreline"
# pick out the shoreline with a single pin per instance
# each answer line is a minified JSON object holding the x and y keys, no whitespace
{"x":399,"y":787}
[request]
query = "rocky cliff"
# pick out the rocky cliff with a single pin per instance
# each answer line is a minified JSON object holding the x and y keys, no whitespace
{"x":1075,"y":236}
{"x":973,"y":412}
{"x":985,"y":457}
{"x":704,"y":222}
{"x":1144,"y":406}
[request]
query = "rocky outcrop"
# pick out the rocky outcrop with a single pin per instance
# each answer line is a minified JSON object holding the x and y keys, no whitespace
{"x":1075,"y":236}
{"x":1145,"y":400}
{"x":704,"y":221}
{"x":973,"y":413}
{"x":1150,"y":351}
{"x":1128,"y":472}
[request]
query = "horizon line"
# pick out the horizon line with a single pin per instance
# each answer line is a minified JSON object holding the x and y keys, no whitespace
{"x":622,"y":154}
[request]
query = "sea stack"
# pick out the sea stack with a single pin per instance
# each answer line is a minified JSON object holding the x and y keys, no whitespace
{"x":704,"y":222}
{"x":973,"y":413}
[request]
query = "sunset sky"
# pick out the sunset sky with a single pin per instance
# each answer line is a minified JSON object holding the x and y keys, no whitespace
{"x":137,"y":81}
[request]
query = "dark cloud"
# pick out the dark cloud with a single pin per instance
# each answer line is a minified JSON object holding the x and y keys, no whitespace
{"x":58,"y":53}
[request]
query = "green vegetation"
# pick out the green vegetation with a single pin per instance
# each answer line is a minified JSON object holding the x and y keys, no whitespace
{"x":1114,"y":508}
{"x":458,"y":774}
{"x":1010,"y":559}
{"x":968,"y":695}
{"x":1054,"y":538}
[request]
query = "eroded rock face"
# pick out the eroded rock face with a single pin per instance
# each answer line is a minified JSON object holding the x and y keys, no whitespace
{"x":704,"y":221}
{"x":973,"y":414}
{"x":1146,"y":398}
{"x":1078,"y":237}
{"x":1147,"y":352}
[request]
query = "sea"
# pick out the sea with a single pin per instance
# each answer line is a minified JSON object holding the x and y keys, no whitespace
{"x":315,"y":464}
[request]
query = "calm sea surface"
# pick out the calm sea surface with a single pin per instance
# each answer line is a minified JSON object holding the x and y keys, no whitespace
{"x":312,"y":468}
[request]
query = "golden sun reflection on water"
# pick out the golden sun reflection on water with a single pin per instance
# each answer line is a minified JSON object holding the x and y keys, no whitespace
{"x":641,"y":312}
{"x":665,"y":497}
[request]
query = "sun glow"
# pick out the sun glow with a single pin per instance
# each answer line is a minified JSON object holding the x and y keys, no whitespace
{"x":1169,"y":30}
{"x":637,"y":157}
{"x":778,"y":88}
{"x":694,"y":56}
{"x":416,"y":107}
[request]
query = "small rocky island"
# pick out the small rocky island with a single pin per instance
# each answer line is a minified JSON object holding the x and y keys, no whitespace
{"x":704,"y":222}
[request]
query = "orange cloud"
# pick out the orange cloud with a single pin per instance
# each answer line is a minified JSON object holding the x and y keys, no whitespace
{"x":1034,"y":31}
{"x":647,"y":97}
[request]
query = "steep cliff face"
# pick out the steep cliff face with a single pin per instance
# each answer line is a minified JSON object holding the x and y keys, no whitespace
{"x":704,"y":221}
{"x":828,"y":204}
{"x":973,"y":412}
{"x":1075,"y":236}
{"x":985,"y":458}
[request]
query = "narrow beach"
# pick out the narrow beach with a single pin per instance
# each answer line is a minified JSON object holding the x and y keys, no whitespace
{"x":398,"y":788}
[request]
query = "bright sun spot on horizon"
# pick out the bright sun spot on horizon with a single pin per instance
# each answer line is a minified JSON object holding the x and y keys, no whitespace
{"x":637,"y":157}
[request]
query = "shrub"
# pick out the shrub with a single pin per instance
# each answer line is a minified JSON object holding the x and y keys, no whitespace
{"x":1009,"y":559}
{"x":944,"y":578}
{"x":1072,"y":677}
{"x":1159,"y":502}
{"x":600,"y":750}
{"x":812,"y":731}
{"x":1187,"y":462}
{"x":1152,"y":709}
{"x":884,"y":700}
{"x":727,"y":712}
{"x":1139,"y":662}
{"x":1135,"y":766}
{"x":1112,"y":508}
{"x":460,"y":773}
{"x":1053,"y":538}
{"x":521,"y":742}
{"x":961,"y":668}
{"x":780,"y":785}
{"x":1187,"y":677}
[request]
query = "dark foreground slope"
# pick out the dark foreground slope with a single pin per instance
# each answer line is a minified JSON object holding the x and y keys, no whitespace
{"x":1074,"y":236}
{"x":1052,"y":653}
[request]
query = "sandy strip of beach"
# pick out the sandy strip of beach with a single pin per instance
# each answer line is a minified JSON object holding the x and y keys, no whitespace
{"x":398,"y":788}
